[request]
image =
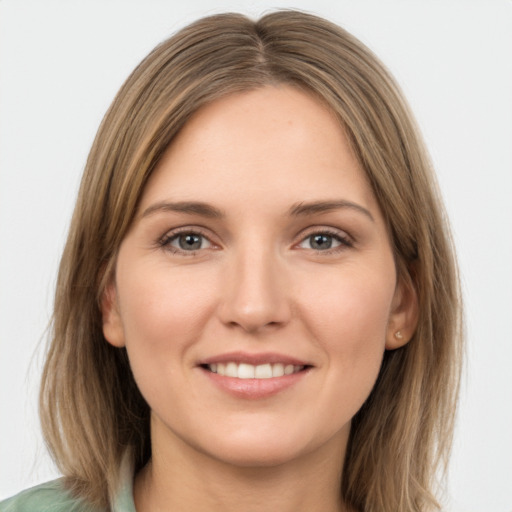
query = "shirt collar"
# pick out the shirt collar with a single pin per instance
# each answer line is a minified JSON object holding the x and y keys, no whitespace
{"x":123,"y":499}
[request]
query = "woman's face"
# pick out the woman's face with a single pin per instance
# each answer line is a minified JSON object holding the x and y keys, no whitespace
{"x":256,"y":290}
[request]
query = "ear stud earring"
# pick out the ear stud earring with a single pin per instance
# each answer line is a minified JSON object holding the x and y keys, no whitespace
{"x":398,"y":335}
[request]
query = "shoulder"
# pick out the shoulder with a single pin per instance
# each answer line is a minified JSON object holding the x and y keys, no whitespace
{"x":47,"y":497}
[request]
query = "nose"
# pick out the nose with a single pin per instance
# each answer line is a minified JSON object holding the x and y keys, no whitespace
{"x":255,"y":296}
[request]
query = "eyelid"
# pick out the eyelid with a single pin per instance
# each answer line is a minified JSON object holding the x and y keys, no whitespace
{"x":342,"y":236}
{"x":165,"y":240}
{"x":345,"y":240}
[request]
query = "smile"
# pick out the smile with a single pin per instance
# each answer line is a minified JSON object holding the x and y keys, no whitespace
{"x":250,"y":371}
{"x":254,"y":376}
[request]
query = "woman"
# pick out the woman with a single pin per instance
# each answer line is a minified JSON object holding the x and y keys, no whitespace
{"x":257,"y":306}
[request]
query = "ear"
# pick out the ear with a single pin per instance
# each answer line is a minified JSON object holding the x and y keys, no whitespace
{"x":112,"y":324}
{"x":403,"y":319}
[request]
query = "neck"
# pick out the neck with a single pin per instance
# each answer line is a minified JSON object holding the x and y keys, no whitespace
{"x":183,"y":478}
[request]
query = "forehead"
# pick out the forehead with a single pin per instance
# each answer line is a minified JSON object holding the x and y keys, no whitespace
{"x":269,"y":144}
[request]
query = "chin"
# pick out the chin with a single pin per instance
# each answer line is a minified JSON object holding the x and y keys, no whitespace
{"x":259,"y":455}
{"x":261,"y":448}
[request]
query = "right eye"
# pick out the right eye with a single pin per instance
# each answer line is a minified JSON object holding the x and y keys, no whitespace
{"x":185,"y":241}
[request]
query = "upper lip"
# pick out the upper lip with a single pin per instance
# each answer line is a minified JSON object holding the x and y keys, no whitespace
{"x":254,"y":359}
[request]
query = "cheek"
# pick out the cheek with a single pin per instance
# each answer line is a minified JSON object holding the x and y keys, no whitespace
{"x":161,"y":303}
{"x":354,"y":300}
{"x":349,"y":321}
{"x":163,"y":315}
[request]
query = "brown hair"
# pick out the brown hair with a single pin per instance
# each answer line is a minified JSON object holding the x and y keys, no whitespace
{"x":91,"y":408}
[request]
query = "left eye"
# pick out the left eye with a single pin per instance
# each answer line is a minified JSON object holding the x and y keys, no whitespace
{"x":189,"y":242}
{"x":321,"y":242}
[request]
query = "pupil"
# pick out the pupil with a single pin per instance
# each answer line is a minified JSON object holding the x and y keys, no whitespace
{"x":321,"y":241}
{"x":189,"y":242}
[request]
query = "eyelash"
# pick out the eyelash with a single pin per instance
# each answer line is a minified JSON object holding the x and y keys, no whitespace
{"x":344,"y":240}
{"x":165,"y":241}
{"x":169,"y":237}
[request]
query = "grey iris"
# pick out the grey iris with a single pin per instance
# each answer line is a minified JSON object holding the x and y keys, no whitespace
{"x":189,"y":242}
{"x":320,"y":242}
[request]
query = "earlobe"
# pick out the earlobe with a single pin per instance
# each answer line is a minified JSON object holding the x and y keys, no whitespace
{"x":111,"y":319}
{"x":404,"y":316}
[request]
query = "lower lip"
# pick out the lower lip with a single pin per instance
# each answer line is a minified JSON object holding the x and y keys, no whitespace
{"x":254,"y":389}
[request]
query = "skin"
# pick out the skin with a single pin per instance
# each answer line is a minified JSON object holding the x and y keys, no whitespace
{"x":257,"y":283}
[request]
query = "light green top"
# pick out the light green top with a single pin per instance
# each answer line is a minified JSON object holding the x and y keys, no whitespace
{"x":53,"y":497}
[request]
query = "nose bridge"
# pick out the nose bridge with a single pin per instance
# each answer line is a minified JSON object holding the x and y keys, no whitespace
{"x":255,"y":294}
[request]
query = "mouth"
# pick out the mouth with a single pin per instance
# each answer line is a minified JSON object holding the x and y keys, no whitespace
{"x":250,"y":371}
{"x":254,"y":376}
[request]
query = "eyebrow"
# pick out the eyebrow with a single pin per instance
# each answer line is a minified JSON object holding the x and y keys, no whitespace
{"x":297,"y":210}
{"x":190,"y":207}
{"x":317,"y":207}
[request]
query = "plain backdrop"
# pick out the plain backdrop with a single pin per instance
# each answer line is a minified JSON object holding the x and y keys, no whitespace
{"x":61,"y":62}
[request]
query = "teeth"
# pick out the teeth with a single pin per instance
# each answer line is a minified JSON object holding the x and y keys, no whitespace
{"x":263,"y":371}
{"x":231,"y":370}
{"x":277,"y":370}
{"x":245,"y":371}
{"x":249,"y":371}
